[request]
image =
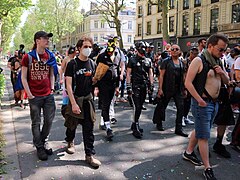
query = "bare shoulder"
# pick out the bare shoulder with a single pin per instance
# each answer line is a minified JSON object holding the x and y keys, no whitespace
{"x":196,"y":65}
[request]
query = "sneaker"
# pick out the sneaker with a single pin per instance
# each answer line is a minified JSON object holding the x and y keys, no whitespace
{"x":92,"y":161}
{"x":181,"y":133}
{"x":41,"y":153}
{"x":192,"y":158}
{"x":208,"y":174}
{"x":113,"y":120}
{"x":188,"y":121}
{"x":236,"y":111}
{"x":183,"y":122}
{"x":70,"y":148}
{"x":221,"y":150}
{"x":144,"y":108}
{"x":109,"y":134}
{"x":48,"y":150}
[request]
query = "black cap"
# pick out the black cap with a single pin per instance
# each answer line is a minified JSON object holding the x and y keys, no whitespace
{"x":194,"y":49}
{"x":71,"y":50}
{"x":39,"y":34}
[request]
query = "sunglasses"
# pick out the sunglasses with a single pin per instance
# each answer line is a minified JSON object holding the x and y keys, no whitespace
{"x":176,"y":49}
{"x":221,"y":49}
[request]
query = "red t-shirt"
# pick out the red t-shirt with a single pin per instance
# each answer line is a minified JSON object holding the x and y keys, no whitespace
{"x":38,"y":75}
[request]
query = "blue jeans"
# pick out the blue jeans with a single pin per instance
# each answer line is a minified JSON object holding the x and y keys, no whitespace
{"x":204,"y":117}
{"x":47,"y":104}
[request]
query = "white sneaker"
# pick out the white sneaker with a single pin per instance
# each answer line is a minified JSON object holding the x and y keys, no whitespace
{"x":183,"y":122}
{"x":188,"y":121}
{"x":236,"y":111}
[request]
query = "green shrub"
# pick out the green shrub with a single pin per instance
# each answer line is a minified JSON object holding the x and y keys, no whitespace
{"x":2,"y":84}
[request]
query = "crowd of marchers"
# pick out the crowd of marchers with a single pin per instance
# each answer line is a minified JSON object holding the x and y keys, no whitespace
{"x":205,"y":81}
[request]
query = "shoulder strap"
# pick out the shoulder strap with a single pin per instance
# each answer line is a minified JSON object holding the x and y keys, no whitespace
{"x":74,"y":75}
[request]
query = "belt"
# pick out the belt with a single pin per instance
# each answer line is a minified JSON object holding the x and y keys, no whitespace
{"x":210,"y":100}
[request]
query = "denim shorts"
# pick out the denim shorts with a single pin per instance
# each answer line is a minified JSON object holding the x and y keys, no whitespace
{"x":204,"y":117}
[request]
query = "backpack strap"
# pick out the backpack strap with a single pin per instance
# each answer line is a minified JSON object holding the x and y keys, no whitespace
{"x":74,"y":75}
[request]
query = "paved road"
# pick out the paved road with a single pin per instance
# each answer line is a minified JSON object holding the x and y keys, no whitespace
{"x":156,"y":156}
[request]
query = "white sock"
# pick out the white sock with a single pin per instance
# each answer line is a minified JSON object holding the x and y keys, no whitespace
{"x":107,"y":123}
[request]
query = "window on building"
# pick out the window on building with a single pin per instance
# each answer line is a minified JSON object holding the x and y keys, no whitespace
{"x":139,"y":30}
{"x":171,"y":4}
{"x":140,"y":11}
{"x":159,"y":26}
{"x":159,"y":6}
{"x":214,"y":20}
{"x":185,"y":4}
{"x":111,"y":24}
{"x":95,"y":38}
{"x":129,"y":38}
{"x":149,"y":27}
{"x":96,"y":24}
{"x":129,"y":24}
{"x":197,"y":3}
{"x":101,"y":37}
{"x":236,"y":13}
{"x":102,"y":25}
{"x":149,"y":10}
{"x":171,"y":24}
{"x":213,"y":1}
{"x":185,"y":25}
{"x":197,"y":19}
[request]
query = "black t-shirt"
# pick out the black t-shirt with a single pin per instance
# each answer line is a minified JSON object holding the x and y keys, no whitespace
{"x":112,"y":72}
{"x":12,"y":59}
{"x":84,"y":72}
{"x":140,"y":69}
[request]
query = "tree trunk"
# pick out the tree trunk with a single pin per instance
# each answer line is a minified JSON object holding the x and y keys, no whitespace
{"x":118,"y":24}
{"x":119,"y":33}
{"x":165,"y":22}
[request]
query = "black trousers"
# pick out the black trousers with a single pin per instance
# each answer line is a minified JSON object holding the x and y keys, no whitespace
{"x":187,"y":105}
{"x":159,"y":112}
{"x":138,"y":96}
{"x":87,"y":131}
{"x":106,"y":93}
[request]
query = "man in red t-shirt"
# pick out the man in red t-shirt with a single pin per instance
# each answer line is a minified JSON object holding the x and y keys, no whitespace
{"x":38,"y":81}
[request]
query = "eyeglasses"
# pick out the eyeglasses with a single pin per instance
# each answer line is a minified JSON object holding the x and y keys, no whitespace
{"x":221,"y":49}
{"x":176,"y":49}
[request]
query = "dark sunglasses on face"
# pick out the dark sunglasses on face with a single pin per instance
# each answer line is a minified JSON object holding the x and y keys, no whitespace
{"x":221,"y":49}
{"x":176,"y":49}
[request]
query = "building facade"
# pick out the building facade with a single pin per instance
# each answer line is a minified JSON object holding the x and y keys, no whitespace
{"x":188,"y":20}
{"x":95,"y":26}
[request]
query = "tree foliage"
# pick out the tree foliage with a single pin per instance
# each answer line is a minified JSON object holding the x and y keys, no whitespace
{"x":56,"y":16}
{"x":10,"y":13}
{"x":109,"y":9}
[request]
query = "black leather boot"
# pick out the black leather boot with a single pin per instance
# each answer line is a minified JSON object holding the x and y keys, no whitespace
{"x":140,"y":129}
{"x":159,"y":126}
{"x":136,"y":132}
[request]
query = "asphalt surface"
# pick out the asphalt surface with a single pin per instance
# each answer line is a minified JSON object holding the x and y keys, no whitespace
{"x":157,"y":156}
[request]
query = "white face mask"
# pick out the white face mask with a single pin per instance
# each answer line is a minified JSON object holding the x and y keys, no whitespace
{"x":86,"y":51}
